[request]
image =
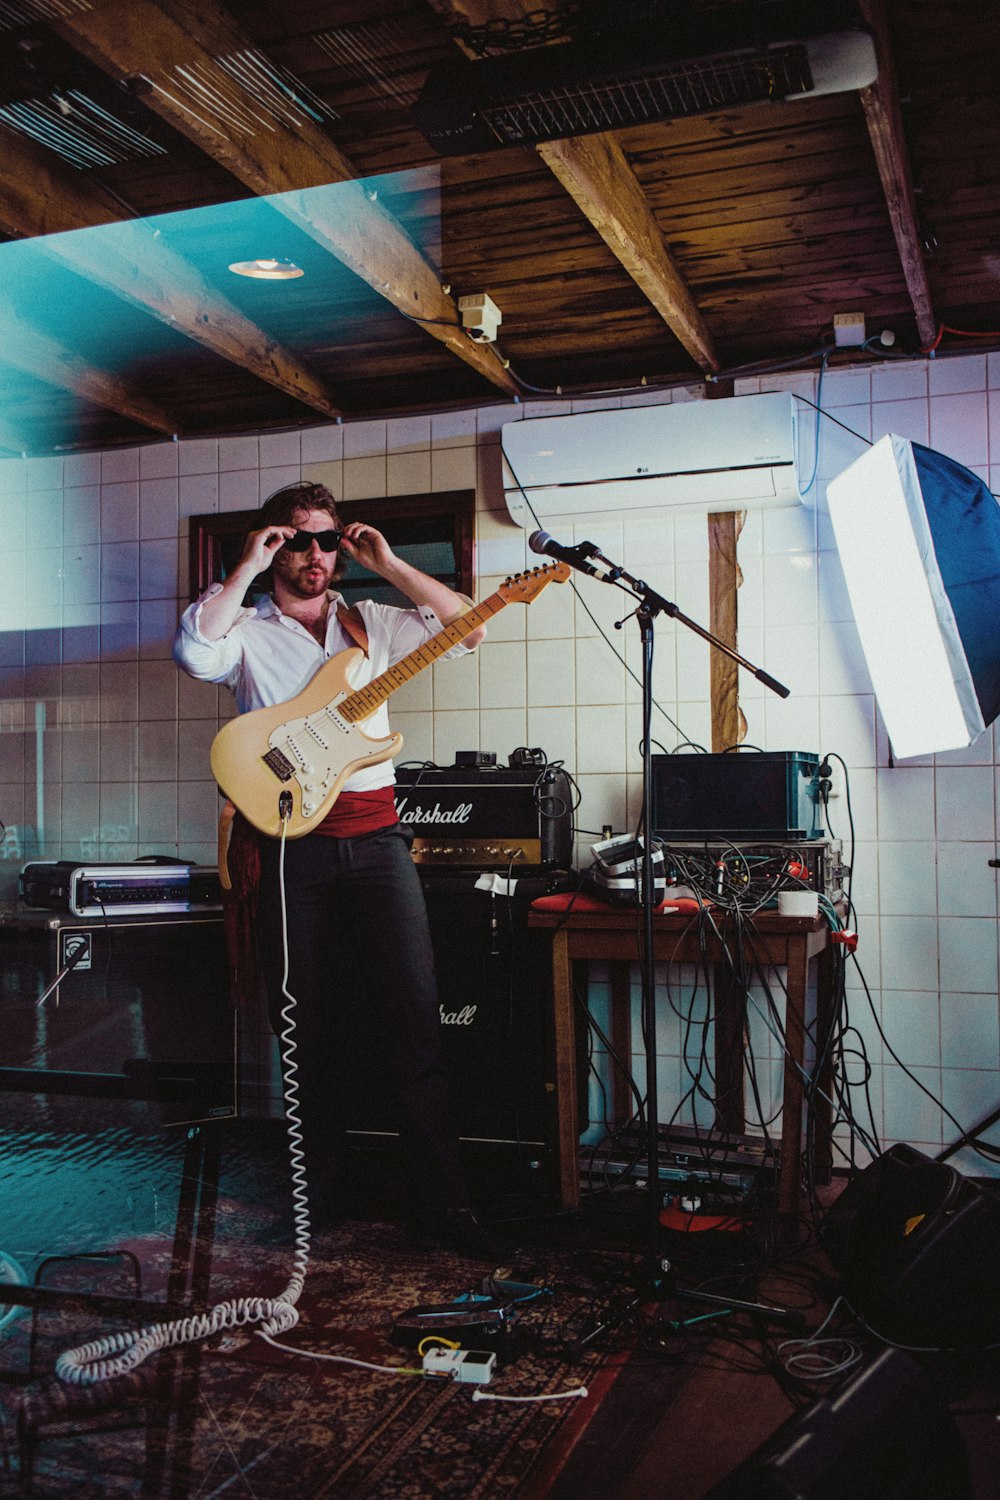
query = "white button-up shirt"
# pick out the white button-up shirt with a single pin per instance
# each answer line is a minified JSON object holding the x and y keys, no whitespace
{"x":266,"y":657}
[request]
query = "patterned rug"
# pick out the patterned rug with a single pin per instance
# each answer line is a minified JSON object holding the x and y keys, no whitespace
{"x":243,"y":1419}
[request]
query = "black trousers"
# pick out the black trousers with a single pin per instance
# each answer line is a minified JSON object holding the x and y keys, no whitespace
{"x":360,"y":899}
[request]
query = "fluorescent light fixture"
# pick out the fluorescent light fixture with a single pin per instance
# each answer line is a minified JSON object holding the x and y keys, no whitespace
{"x":919,"y":540}
{"x":267,"y":270}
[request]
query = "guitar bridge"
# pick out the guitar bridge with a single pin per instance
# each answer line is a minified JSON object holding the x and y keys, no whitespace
{"x":279,"y":763}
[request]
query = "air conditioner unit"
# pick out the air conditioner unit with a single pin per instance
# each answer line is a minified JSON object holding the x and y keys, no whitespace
{"x":630,"y":61}
{"x":641,"y":462}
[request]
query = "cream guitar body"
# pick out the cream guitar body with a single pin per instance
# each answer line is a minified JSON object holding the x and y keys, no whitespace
{"x":310,"y":750}
{"x":284,"y":766}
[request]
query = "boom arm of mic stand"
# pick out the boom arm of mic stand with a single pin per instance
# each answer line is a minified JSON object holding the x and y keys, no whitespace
{"x":790,"y":1315}
{"x":656,"y":604}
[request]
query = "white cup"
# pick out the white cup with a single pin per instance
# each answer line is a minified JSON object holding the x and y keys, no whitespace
{"x":798,"y":903}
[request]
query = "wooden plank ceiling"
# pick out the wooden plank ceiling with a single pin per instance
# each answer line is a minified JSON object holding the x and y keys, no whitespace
{"x":145,"y":146}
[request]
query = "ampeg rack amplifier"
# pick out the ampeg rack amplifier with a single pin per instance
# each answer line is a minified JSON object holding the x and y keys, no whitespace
{"x":105,"y":890}
{"x":482,"y":817}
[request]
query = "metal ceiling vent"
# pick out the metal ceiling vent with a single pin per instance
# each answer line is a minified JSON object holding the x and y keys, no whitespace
{"x":242,"y":92}
{"x":78,"y":129}
{"x":22,"y":12}
{"x":367,"y":53}
{"x":629,"y":63}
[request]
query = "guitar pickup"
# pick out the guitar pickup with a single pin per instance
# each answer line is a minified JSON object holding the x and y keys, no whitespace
{"x":279,"y":764}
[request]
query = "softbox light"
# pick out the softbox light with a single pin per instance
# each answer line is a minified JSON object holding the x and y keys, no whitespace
{"x":919,"y":540}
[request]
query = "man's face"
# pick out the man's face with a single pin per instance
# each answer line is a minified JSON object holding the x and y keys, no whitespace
{"x":306,"y":575}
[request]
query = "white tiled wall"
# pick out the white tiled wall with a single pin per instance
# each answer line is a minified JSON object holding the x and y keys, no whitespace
{"x":104,"y":746}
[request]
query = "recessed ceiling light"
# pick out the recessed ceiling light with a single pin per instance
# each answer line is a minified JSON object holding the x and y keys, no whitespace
{"x":267,"y":270}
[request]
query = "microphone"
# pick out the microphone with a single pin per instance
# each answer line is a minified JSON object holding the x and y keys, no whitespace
{"x":540,"y":541}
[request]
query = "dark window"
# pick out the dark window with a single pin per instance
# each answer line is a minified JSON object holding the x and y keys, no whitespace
{"x":433,"y":532}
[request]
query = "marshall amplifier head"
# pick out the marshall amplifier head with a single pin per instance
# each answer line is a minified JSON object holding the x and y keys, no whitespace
{"x":487,"y":816}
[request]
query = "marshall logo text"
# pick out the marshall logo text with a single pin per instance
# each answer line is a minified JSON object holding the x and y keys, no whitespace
{"x":460,"y":813}
{"x":463,"y":1017}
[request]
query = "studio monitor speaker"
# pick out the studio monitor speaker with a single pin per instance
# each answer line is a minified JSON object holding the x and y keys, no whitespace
{"x":918,"y":1247}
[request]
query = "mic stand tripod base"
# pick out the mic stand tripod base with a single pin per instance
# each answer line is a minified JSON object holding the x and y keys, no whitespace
{"x":656,"y":1282}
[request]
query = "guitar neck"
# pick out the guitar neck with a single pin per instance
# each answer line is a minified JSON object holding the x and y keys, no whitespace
{"x":361,"y":704}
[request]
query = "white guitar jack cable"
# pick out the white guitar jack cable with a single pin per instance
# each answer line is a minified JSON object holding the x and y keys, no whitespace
{"x":118,"y":1353}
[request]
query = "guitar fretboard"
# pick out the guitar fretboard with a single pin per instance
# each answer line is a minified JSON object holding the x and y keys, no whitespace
{"x":366,"y":700}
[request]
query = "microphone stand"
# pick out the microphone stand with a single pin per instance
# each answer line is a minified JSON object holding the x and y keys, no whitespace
{"x":650,"y":605}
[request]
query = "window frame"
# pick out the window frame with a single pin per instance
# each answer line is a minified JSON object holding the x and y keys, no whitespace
{"x":209,"y":533}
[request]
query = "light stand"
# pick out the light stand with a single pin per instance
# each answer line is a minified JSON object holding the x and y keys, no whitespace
{"x":650,"y":605}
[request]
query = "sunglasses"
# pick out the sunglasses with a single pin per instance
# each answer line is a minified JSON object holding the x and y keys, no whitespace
{"x":329,"y":541}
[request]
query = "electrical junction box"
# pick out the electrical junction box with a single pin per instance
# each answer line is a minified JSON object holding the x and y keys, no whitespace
{"x":848,"y":330}
{"x":480,"y":317}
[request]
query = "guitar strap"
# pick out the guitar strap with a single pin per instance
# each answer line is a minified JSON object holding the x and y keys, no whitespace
{"x":353,"y":625}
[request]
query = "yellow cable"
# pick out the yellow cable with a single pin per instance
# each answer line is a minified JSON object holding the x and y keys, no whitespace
{"x":433,"y":1338}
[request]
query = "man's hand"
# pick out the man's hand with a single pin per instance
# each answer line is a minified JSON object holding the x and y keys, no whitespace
{"x":261,"y":547}
{"x":368,"y":547}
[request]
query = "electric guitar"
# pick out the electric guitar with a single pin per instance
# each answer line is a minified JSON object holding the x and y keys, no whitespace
{"x":284,"y":766}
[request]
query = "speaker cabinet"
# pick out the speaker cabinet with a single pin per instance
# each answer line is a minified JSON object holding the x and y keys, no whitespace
{"x":495,"y":994}
{"x":884,"y":1435}
{"x":918,"y":1247}
{"x":140,"y":1031}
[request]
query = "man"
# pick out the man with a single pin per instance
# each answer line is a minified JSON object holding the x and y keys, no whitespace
{"x":350,"y":883}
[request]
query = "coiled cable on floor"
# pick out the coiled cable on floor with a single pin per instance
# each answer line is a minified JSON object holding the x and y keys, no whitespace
{"x":118,"y":1353}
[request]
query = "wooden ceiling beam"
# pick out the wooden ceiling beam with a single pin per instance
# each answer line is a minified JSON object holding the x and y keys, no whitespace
{"x":42,"y":199}
{"x":883,"y":116}
{"x":26,"y":347}
{"x":187,"y":87}
{"x":596,"y":174}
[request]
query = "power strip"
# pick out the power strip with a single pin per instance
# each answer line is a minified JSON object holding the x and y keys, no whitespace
{"x":470,"y":1366}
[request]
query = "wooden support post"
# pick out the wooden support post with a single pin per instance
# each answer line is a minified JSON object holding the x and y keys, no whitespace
{"x":724,"y":578}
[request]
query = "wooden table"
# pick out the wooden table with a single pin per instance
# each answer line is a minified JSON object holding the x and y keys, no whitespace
{"x":793,"y":943}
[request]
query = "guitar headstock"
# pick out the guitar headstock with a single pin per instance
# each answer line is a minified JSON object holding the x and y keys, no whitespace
{"x":521,"y":588}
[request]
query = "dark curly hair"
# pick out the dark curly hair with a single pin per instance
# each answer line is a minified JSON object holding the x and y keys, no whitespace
{"x":278,"y":509}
